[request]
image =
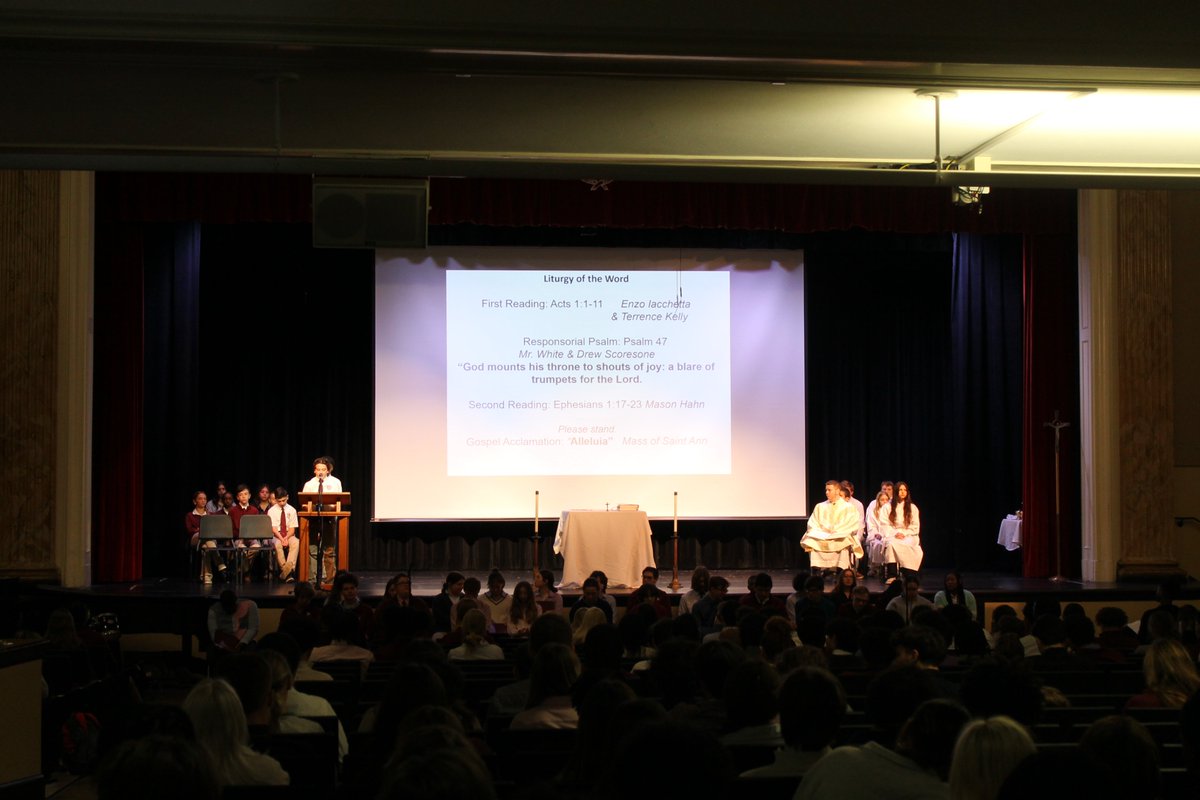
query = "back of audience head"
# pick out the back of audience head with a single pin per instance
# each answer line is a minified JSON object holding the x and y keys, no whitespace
{"x":894,"y":695}
{"x":549,"y":629}
{"x":221,"y":731}
{"x":304,"y":631}
{"x":440,"y":774}
{"x":1128,"y":753}
{"x":812,"y":705}
{"x":842,"y":634}
{"x":810,"y":628}
{"x":803,"y":656}
{"x":986,"y":752}
{"x":411,"y":686}
{"x":751,"y":694}
{"x":921,"y":645}
{"x":673,"y":670}
{"x":1055,"y":774}
{"x":929,"y":735}
{"x":474,"y":626}
{"x":875,"y":644}
{"x":154,"y":767}
{"x":993,"y":687}
{"x":1170,"y":672}
{"x":1000,"y":613}
{"x":285,"y":645}
{"x":1080,"y":631}
{"x":1162,"y":625}
{"x":647,"y":747}
{"x":1111,"y":618}
{"x":250,"y":676}
{"x":555,"y":670}
{"x":776,"y":637}
{"x":1049,"y":630}
{"x":601,"y":651}
{"x":715,"y":661}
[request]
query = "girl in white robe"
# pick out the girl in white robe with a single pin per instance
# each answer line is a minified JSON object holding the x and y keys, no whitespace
{"x":905,"y":521}
{"x":879,"y":534}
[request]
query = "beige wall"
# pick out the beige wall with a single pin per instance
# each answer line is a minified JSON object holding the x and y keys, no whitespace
{"x":29,"y":283}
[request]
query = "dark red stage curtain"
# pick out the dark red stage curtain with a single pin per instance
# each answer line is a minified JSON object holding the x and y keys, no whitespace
{"x":117,"y":418}
{"x":629,"y":205}
{"x":1051,"y":384}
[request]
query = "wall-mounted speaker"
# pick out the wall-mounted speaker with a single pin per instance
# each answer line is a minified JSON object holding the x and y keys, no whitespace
{"x":370,"y":212}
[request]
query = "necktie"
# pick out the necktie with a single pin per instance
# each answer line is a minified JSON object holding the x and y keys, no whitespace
{"x":282,"y":524}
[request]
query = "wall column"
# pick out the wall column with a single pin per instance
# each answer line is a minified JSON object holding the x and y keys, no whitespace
{"x":1146,"y":375}
{"x":1099,"y":442}
{"x":73,"y":476}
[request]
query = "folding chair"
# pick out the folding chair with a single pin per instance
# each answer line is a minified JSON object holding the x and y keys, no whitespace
{"x":218,"y":528}
{"x":258,"y":527}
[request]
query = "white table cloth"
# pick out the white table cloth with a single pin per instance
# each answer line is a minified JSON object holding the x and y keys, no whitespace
{"x":616,"y":542}
{"x":1010,"y":533}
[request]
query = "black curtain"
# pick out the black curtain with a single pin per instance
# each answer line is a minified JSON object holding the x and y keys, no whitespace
{"x":986,"y":360}
{"x":876,"y":370}
{"x":260,"y":358}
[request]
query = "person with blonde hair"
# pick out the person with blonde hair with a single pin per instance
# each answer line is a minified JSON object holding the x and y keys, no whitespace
{"x":584,"y":622}
{"x":1171,"y":676}
{"x":223,"y":736}
{"x":474,"y":646}
{"x":986,"y":752}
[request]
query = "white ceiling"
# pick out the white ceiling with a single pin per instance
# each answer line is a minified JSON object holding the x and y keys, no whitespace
{"x":777,"y":93}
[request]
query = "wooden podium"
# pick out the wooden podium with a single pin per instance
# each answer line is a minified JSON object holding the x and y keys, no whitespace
{"x":333,"y":512}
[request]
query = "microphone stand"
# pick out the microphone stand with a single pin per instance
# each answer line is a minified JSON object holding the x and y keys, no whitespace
{"x":320,"y":533}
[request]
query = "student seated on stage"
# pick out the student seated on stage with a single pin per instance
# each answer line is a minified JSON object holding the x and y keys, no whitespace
{"x":244,"y":508}
{"x":210,"y":559}
{"x":232,"y":623}
{"x":214,"y":504}
{"x":832,"y":539}
{"x":265,"y":498}
{"x":287,"y":545}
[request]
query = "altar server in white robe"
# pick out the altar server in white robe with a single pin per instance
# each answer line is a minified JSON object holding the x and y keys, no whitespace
{"x":879,"y":531}
{"x":905,"y":521}
{"x":832,"y":538}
